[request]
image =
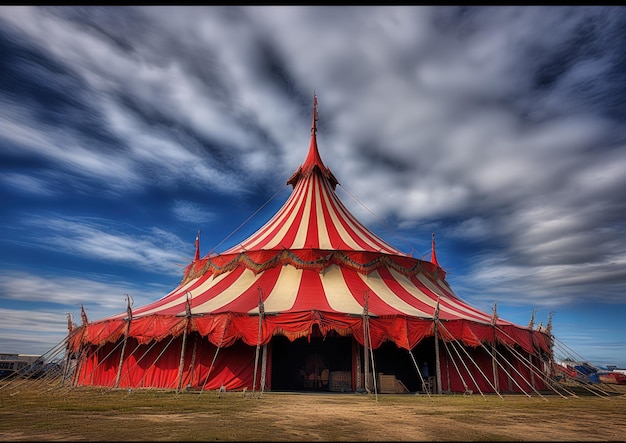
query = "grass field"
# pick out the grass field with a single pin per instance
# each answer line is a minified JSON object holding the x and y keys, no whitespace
{"x":32,"y":412}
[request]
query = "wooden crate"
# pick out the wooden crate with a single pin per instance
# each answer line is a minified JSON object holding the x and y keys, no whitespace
{"x":386,"y":384}
{"x":340,"y":381}
{"x":389,"y":384}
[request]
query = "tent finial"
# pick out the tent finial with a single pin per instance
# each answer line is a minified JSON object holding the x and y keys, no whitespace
{"x":531,"y":323}
{"x":313,"y":125}
{"x":83,"y":315}
{"x":549,"y":325}
{"x":494,"y":318}
{"x":197,"y":255}
{"x":70,"y":325}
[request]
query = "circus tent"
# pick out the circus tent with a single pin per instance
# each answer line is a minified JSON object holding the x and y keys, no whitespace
{"x":313,"y":281}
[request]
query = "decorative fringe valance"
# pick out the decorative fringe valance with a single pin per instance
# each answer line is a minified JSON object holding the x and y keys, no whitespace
{"x":312,"y":259}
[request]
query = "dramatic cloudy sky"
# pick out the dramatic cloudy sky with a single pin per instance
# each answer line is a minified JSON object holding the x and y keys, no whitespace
{"x":124,"y":130}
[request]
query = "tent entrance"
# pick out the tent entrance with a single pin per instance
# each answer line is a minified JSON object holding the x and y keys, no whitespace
{"x":392,"y":360}
{"x":306,"y":363}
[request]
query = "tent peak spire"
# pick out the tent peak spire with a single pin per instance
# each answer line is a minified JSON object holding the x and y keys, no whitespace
{"x":313,"y":160}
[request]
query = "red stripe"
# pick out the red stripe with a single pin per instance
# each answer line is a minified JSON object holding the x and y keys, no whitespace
{"x":211,"y":292}
{"x":311,"y":295}
{"x":344,"y":215}
{"x":176,"y":293}
{"x":336,"y":241}
{"x":287,"y":239}
{"x":270,"y":228}
{"x":312,"y":240}
{"x":453,"y":305}
{"x":366,"y":233}
{"x":404,"y":295}
{"x":357,"y":288}
{"x":249,"y":299}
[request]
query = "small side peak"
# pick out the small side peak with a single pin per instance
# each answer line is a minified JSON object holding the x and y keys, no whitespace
{"x":433,"y":258}
{"x":196,"y":257}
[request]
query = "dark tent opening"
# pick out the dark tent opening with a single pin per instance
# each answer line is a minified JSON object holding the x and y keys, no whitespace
{"x":307,"y":363}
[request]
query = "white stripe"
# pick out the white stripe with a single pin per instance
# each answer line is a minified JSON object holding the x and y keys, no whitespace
{"x":300,"y":238}
{"x":232,"y":292}
{"x":322,"y":229}
{"x":337,"y":293}
{"x":286,"y":224}
{"x":345,"y":237}
{"x":375,"y":282}
{"x":473,"y":315}
{"x":268,"y":227}
{"x":283,"y":295}
{"x":179,"y":290}
{"x":180,"y":298}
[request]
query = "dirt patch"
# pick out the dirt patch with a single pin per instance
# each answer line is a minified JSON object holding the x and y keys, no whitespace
{"x":89,"y":414}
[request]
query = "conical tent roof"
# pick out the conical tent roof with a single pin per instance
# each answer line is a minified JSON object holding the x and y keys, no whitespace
{"x":314,"y":255}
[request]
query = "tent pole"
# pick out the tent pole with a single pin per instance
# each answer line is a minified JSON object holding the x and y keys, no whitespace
{"x":369,"y":340}
{"x":366,"y":356}
{"x":183,"y":345}
{"x":437,"y":362}
{"x":258,"y":341}
{"x":82,"y":351}
{"x":181,"y":363}
{"x":263,"y":368}
{"x":66,"y":362}
{"x":357,"y":360}
{"x":123,"y":351}
{"x":119,"y":366}
{"x":447,"y":374}
{"x":192,"y":365}
{"x":494,"y":367}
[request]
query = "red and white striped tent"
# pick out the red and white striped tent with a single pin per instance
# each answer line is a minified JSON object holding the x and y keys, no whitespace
{"x":312,"y":282}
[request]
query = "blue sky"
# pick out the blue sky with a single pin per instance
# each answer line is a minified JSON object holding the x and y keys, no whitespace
{"x":124,"y":130}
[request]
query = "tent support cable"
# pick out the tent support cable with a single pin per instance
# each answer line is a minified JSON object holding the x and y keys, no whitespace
{"x":129,"y":318}
{"x":154,"y":362}
{"x":456,"y":367}
{"x":533,"y":368}
{"x":419,"y":373}
{"x":494,"y":359}
{"x":452,"y":343}
{"x":217,"y":349}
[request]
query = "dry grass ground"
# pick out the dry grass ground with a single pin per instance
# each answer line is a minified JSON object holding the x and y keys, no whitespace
{"x":33,"y":413}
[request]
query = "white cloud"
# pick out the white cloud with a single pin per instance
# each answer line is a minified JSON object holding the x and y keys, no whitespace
{"x":155,"y":251}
